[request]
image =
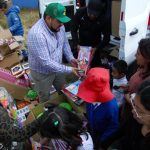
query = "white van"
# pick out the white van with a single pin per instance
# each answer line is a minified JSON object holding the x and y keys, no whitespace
{"x":129,"y":22}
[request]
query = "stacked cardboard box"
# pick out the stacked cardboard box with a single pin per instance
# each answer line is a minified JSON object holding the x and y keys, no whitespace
{"x":9,"y":47}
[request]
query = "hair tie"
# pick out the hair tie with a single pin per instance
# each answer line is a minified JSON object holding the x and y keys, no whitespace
{"x":56,"y":123}
{"x":39,"y":115}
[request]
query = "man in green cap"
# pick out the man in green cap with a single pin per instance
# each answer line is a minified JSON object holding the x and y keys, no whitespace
{"x":56,"y":13}
{"x":47,"y":43}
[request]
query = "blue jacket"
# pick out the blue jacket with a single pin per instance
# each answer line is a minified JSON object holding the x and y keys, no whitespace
{"x":103,"y":119}
{"x":14,"y":21}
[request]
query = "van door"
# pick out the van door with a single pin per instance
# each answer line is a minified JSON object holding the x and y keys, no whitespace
{"x":133,"y":26}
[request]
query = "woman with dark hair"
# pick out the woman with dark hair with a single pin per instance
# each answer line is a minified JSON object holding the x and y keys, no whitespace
{"x":65,"y":131}
{"x":143,"y":61}
{"x":142,"y":74}
{"x":135,"y":132}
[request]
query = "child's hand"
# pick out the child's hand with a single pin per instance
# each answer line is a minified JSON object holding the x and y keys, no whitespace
{"x":44,"y":141}
{"x":127,"y":98}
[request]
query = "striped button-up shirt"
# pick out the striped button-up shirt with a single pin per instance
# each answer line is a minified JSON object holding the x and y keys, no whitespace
{"x":46,"y":49}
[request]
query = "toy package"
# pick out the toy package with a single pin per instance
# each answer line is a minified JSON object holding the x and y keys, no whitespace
{"x":71,"y":91}
{"x":9,"y":104}
{"x":25,"y":66}
{"x":35,"y":145}
{"x":84,"y":57}
{"x":16,"y":70}
{"x":5,"y":99}
{"x":73,"y":88}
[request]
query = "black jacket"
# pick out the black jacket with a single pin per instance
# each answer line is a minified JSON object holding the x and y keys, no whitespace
{"x":90,"y":31}
{"x":129,"y":137}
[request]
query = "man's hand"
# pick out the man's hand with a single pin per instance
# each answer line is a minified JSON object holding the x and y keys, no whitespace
{"x":74,"y":62}
{"x":76,"y":71}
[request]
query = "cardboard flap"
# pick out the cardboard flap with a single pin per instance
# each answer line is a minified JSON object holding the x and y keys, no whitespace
{"x":10,"y":60}
{"x":114,"y":53}
{"x":18,"y":38}
{"x":14,"y":45}
{"x":4,"y":49}
{"x":5,"y":34}
{"x":38,"y":110}
{"x":16,"y":91}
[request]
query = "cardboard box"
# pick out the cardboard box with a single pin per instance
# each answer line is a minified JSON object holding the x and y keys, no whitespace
{"x":18,"y":38}
{"x":116,"y":8}
{"x":4,"y":49}
{"x":5,"y":34}
{"x":16,"y":91}
{"x":10,"y":60}
{"x":114,"y":52}
{"x":8,"y":48}
{"x":36,"y":110}
{"x":13,"y":45}
{"x":6,"y":75}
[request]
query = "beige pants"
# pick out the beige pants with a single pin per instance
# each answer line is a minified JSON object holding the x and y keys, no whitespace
{"x":43,"y":83}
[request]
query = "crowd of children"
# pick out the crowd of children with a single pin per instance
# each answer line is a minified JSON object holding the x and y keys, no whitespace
{"x":106,"y":127}
{"x":62,"y":129}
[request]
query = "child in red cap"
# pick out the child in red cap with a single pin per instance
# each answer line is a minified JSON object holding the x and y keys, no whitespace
{"x":102,"y":108}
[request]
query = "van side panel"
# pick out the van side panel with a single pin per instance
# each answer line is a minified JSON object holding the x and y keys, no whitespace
{"x":133,"y":27}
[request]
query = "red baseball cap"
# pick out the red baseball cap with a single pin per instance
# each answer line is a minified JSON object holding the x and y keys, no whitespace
{"x":96,"y":87}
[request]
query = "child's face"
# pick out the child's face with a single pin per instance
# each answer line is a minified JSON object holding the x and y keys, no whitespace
{"x":115,"y":73}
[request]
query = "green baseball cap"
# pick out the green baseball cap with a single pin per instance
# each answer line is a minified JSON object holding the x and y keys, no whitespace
{"x":57,"y":11}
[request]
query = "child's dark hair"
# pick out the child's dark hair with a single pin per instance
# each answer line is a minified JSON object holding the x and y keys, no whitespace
{"x":121,"y":66}
{"x":3,"y":4}
{"x":63,"y":124}
{"x":144,"y":48}
{"x":144,"y":93}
